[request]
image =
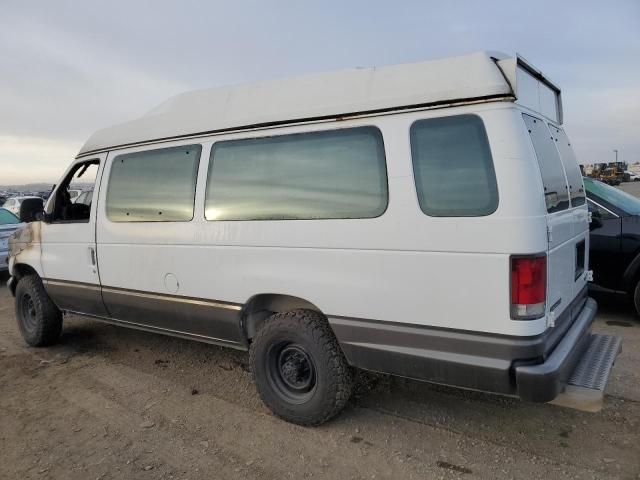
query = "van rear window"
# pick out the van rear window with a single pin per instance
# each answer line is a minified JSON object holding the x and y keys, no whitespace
{"x":556,"y":193}
{"x":571,"y":168}
{"x":452,"y":167}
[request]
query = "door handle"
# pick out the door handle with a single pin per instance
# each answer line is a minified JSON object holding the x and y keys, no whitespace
{"x":92,"y":256}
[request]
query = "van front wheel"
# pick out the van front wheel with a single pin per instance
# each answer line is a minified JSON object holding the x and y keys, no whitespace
{"x":299,"y":370}
{"x":39,"y":319}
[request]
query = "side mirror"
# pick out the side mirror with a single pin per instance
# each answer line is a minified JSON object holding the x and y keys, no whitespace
{"x":30,"y":209}
{"x":596,"y":222}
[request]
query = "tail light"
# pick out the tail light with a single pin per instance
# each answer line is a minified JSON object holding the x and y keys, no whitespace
{"x":528,"y":287}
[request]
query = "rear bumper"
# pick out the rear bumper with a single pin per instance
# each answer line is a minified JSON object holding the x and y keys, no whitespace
{"x":533,"y":368}
{"x":544,"y":381}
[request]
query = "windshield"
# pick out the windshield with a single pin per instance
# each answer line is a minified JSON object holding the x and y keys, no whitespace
{"x":7,"y":218}
{"x":616,"y":197}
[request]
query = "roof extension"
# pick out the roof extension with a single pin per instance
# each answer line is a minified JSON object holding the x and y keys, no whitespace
{"x":323,"y":95}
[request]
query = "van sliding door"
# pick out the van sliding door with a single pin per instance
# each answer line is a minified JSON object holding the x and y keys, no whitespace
{"x":148,"y":221}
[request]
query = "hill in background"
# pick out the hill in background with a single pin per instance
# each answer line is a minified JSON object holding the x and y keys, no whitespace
{"x":28,"y":187}
{"x":41,"y":187}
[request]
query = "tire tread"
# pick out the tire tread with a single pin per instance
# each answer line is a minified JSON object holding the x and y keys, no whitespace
{"x":49,"y":321}
{"x":340,"y":384}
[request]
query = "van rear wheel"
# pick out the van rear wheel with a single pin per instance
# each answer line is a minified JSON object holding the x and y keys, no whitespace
{"x":39,"y":320}
{"x":299,"y":370}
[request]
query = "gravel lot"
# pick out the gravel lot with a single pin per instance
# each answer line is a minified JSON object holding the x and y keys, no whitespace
{"x":112,"y":403}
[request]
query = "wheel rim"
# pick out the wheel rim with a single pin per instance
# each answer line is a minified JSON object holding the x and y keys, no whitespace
{"x":291,"y":372}
{"x":28,"y":312}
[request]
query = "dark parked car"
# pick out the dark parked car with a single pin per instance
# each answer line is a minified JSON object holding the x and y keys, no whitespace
{"x":614,"y":254}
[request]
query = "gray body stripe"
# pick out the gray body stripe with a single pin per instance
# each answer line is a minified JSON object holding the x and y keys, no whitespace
{"x":150,"y":295}
{"x":164,"y":331}
{"x":200,"y":319}
{"x":171,"y":298}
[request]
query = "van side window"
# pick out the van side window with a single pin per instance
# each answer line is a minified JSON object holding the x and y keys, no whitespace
{"x":571,"y":168}
{"x":316,"y":175}
{"x":452,"y":167}
{"x":154,"y":185}
{"x":64,"y":209}
{"x":556,"y":192}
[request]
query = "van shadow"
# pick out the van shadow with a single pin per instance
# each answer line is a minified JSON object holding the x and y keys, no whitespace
{"x":225,"y":373}
{"x":146,"y":350}
{"x":84,"y":339}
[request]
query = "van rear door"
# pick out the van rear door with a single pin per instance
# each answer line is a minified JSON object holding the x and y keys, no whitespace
{"x":579,"y":208}
{"x":567,"y":228}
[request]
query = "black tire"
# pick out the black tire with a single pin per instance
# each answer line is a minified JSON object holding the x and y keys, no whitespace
{"x":39,"y":320}
{"x":635,"y":297}
{"x":299,"y":369}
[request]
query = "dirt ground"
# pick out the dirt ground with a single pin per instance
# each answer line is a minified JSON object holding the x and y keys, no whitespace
{"x":113,"y":403}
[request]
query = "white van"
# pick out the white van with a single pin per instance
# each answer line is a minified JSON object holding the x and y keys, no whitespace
{"x":424,"y":220}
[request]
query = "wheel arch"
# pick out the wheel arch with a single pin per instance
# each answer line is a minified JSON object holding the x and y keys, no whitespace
{"x":19,"y":271}
{"x":261,"y":306}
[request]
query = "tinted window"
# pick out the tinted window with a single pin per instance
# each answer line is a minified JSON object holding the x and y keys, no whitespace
{"x":154,"y":186}
{"x":6,"y":217}
{"x":453,"y":168}
{"x":556,"y":193}
{"x":600,"y":212}
{"x":616,"y":197}
{"x":316,"y":175}
{"x":571,"y":168}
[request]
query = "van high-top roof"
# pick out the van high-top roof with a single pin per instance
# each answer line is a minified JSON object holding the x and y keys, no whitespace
{"x":482,"y":76}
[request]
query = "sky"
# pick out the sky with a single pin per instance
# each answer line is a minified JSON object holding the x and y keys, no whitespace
{"x":69,"y":68}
